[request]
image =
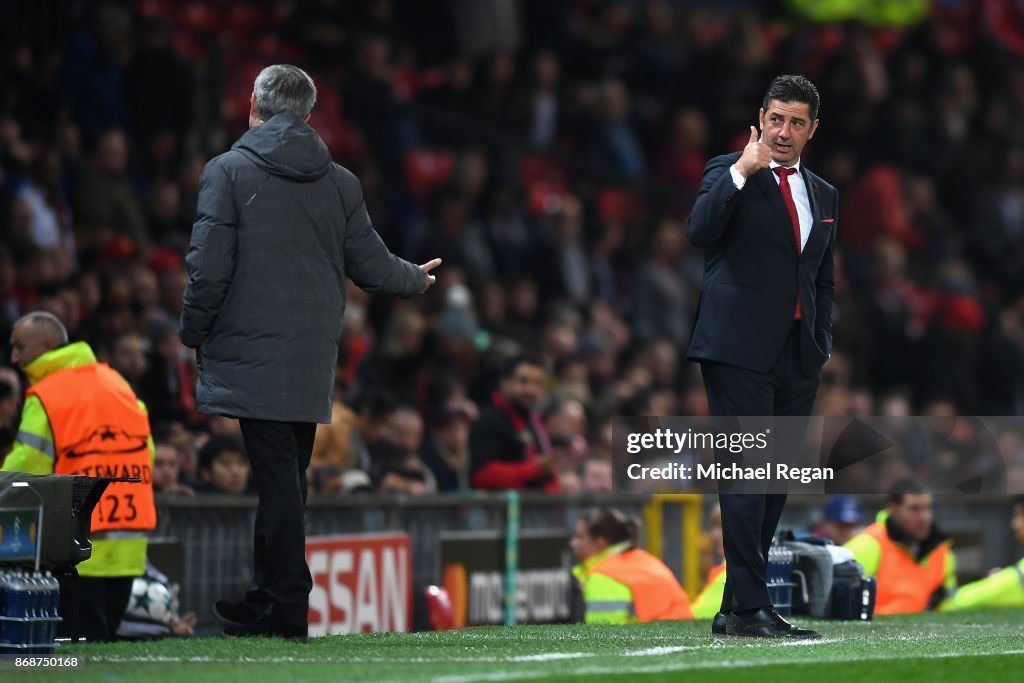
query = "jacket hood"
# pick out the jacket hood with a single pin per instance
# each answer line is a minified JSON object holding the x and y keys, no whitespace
{"x":70,"y":356}
{"x":286,"y":146}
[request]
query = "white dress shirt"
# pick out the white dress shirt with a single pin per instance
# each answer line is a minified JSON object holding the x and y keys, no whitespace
{"x":799,"y":190}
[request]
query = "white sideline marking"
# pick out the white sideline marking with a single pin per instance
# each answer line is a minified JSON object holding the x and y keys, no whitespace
{"x":719,"y":664}
{"x":548,"y":656}
{"x":543,"y":657}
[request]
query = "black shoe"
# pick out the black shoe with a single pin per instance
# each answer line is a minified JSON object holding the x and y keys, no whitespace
{"x":235,"y":613}
{"x":761,"y":624}
{"x":267,"y":627}
{"x":720,"y":624}
{"x":791,"y":630}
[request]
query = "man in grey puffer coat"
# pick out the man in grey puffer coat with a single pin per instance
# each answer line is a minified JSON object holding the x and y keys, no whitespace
{"x":279,"y":228}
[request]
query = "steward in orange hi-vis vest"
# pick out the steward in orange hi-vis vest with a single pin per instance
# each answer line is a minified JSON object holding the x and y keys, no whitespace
{"x":82,"y":418}
{"x":99,"y":430}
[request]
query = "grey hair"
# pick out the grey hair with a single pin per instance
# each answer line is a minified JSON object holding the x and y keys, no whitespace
{"x":283,"y":87}
{"x":53,"y":325}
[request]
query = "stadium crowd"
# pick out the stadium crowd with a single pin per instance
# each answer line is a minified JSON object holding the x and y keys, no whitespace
{"x":550,"y":153}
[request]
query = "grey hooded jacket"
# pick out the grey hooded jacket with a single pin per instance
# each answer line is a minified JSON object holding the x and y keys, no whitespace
{"x":279,"y":227}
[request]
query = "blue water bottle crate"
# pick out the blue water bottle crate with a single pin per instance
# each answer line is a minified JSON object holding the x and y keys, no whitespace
{"x":780,"y":579}
{"x":28,"y":612}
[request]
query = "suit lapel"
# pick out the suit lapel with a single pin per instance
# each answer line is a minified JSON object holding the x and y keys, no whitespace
{"x":766,"y":183}
{"x":812,"y":197}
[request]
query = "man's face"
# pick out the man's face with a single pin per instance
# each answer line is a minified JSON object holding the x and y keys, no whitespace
{"x":129,"y":357}
{"x":1017,"y":522}
{"x":583,"y":544}
{"x":914,"y":515}
{"x":525,"y":386}
{"x":28,"y":342}
{"x":786,"y":127}
{"x":165,"y":469}
{"x":597,"y":476}
{"x":405,"y":428}
{"x":229,"y":472}
{"x":839,"y":532}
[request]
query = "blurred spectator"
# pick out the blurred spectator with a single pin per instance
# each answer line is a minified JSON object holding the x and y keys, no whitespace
{"x":1003,"y":588}
{"x":446,"y":450}
{"x":596,"y":476}
{"x":339,"y":443}
{"x":621,"y":582}
{"x":509,"y":445}
{"x":613,"y":153}
{"x":107,"y":207}
{"x":9,"y":401}
{"x":660,"y":295}
{"x":908,"y":553}
{"x":405,"y":428}
{"x":709,"y":602}
{"x":223,"y":467}
{"x":128,"y":357}
{"x":168,"y":385}
{"x":167,"y":470}
{"x":841,"y":520}
{"x":396,"y":469}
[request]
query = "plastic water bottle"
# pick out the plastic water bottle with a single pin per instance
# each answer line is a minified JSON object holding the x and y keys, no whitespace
{"x":35,"y":603}
{"x":3,"y":609}
{"x":17,"y":608}
{"x":52,"y":608}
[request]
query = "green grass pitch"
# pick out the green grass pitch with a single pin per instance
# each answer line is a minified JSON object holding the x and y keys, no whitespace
{"x":984,"y":647}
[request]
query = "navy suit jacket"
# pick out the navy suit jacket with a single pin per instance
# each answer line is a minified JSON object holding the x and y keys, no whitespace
{"x":753,"y":271}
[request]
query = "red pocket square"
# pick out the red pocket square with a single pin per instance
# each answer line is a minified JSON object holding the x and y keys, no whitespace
{"x":828,"y":220}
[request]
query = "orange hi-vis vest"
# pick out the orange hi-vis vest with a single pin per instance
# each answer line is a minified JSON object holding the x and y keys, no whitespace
{"x":99,"y":430}
{"x":905,"y":585}
{"x":656,"y":592}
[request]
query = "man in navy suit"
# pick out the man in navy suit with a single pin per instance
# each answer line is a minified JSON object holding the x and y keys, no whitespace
{"x":764,"y":321}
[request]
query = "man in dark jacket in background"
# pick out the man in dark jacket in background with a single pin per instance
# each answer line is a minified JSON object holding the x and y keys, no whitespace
{"x":509,"y":446}
{"x":279,"y":227}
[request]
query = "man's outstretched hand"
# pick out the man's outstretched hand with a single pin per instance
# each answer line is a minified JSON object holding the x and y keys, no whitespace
{"x":426,"y":268}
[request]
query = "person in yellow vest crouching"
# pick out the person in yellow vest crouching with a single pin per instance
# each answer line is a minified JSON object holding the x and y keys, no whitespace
{"x":82,"y":418}
{"x":622,"y":583}
{"x":910,"y":557}
{"x":709,"y":602}
{"x":1003,"y":588}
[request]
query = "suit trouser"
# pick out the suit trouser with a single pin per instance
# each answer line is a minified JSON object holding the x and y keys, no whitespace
{"x":749,"y":520}
{"x":279,"y":453}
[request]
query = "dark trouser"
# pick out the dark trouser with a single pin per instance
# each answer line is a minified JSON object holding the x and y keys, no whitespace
{"x":102,"y":602}
{"x":749,"y":520}
{"x":279,"y":453}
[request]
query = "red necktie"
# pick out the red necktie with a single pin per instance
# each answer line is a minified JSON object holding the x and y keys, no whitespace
{"x":787,"y":196}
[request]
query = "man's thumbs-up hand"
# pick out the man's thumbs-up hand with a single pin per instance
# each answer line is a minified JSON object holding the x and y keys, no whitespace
{"x":756,"y":155}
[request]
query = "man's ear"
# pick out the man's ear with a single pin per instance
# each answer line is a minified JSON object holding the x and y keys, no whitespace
{"x":814,"y":127}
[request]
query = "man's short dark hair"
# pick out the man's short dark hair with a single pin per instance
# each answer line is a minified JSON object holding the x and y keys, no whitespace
{"x":526,"y":358}
{"x":1018,"y":501}
{"x":905,"y":487}
{"x":791,"y":88}
{"x":219,"y":443}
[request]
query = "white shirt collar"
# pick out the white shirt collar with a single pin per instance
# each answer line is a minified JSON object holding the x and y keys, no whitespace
{"x":774,"y":164}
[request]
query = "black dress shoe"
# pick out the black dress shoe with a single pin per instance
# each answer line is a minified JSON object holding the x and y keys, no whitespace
{"x":267,"y":627}
{"x":720,"y":624}
{"x":761,"y":624}
{"x":235,"y":613}
{"x":793,"y":631}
